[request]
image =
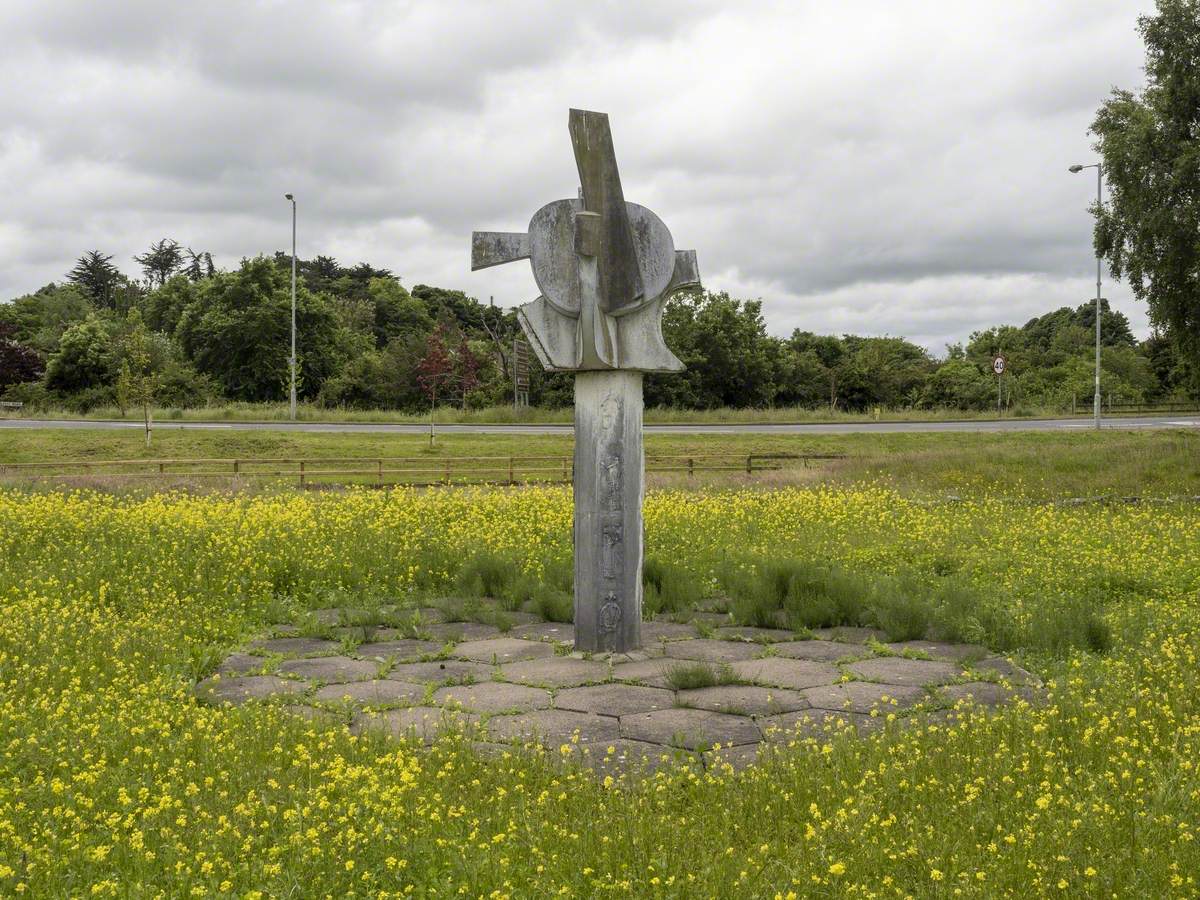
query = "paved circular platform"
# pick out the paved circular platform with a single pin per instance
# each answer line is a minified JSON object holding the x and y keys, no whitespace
{"x":706,"y":690}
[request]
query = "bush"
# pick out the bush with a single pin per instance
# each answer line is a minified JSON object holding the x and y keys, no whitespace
{"x":803,"y":594}
{"x":85,"y":401}
{"x":688,"y":676}
{"x":33,"y":394}
{"x":668,"y":588}
{"x":487,"y":575}
{"x":901,"y":609}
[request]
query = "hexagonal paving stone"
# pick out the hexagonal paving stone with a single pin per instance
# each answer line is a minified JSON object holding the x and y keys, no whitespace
{"x":558,"y":632}
{"x":493,"y":697}
{"x":863,"y":696}
{"x":443,"y":671}
{"x":366,"y":693}
{"x":775,"y":671}
{"x":406,"y":648}
{"x":980,"y":693}
{"x":941,"y":650}
{"x":330,"y":669}
{"x":422,"y":722}
{"x":714,"y":619}
{"x":822,"y":651}
{"x":650,"y":671}
{"x":503,"y":650}
{"x":251,"y":687}
{"x":750,"y":633}
{"x":630,"y":756}
{"x":335,"y":615}
{"x":709,"y":650}
{"x":735,"y":758}
{"x":743,"y":700}
{"x":553,"y":727}
{"x":297,"y":646}
{"x":516,"y":618}
{"x":689,"y":728}
{"x":461,"y":631}
{"x":556,"y":671}
{"x":896,"y":670}
{"x":240,"y":664}
{"x":614,"y":699}
{"x":849,"y":634}
{"x":1007,"y":670}
{"x":816,"y":723}
{"x":654,"y":632}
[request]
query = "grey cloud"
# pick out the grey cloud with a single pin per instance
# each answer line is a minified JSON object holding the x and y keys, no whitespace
{"x":859,"y":166}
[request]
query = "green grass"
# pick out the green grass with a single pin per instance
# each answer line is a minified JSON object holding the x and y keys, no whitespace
{"x":688,"y":676}
{"x":307,"y":412}
{"x":1035,"y":465}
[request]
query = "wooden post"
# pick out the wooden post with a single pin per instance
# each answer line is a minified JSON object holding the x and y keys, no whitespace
{"x":379,"y":473}
{"x":749,"y":465}
{"x":691,"y":467}
{"x":510,"y":471}
{"x":235,"y":467}
{"x":301,"y":473}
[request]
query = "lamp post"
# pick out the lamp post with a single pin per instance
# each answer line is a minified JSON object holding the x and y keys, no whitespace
{"x":292,"y":358}
{"x":1099,"y":199}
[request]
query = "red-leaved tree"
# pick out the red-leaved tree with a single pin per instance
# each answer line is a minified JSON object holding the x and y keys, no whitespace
{"x":435,"y":371}
{"x":18,"y":363}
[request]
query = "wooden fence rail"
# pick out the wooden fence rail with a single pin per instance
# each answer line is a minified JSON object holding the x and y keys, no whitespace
{"x":383,"y":470}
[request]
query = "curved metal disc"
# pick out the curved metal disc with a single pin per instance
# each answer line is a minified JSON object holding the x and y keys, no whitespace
{"x":556,"y":265}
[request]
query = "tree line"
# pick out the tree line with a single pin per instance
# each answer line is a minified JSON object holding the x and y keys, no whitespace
{"x":187,"y":334}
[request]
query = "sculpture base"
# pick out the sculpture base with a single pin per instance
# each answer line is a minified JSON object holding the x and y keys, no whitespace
{"x":609,"y":487}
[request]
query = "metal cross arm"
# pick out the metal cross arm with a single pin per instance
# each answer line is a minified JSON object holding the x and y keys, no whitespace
{"x":604,"y":267}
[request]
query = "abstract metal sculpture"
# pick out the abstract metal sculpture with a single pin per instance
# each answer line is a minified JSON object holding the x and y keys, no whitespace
{"x":604,"y":267}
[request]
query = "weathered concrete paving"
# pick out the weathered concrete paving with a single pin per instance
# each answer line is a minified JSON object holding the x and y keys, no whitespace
{"x":722,"y":698}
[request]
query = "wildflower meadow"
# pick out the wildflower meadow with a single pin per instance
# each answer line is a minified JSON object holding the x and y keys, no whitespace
{"x":116,"y":780}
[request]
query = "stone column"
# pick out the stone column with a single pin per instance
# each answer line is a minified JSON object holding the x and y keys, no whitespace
{"x":609,"y":486}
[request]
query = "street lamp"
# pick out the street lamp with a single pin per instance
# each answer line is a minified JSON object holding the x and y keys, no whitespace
{"x":1099,"y":199}
{"x":292,"y":358}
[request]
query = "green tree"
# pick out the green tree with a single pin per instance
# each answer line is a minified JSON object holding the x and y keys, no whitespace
{"x":97,"y":277}
{"x":138,"y":381}
{"x":84,"y":358}
{"x":1151,"y":155}
{"x":723,"y":342}
{"x":237,"y":330}
{"x":39,"y":319}
{"x":161,"y":261}
{"x":394,"y":311}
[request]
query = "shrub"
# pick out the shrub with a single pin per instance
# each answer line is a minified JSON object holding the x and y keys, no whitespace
{"x":686,"y":676}
{"x":901,"y":608}
{"x":487,"y":575}
{"x":668,"y":588}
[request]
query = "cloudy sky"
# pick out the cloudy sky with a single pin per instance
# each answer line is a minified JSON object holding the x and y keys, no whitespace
{"x":868,"y":166}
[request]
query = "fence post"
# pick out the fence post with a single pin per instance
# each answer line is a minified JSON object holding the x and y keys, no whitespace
{"x":691,"y":467}
{"x":749,"y":465}
{"x":447,"y":471}
{"x":161,"y":468}
{"x":235,"y":467}
{"x":301,"y":473}
{"x":510,"y":471}
{"x":379,"y":473}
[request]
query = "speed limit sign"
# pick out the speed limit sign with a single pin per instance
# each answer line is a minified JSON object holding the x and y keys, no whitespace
{"x":998,"y":365}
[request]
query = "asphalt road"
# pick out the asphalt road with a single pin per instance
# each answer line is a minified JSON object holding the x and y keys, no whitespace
{"x":1123,"y":422}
